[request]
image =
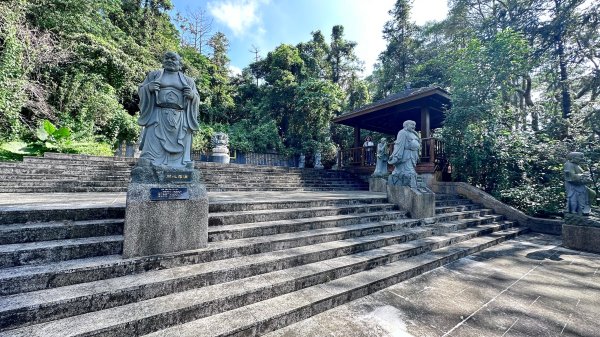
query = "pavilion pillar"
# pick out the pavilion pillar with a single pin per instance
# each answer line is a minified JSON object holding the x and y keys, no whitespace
{"x":425,"y":122}
{"x":357,"y":142}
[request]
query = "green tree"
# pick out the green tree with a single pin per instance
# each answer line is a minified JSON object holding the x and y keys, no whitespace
{"x":343,"y":62}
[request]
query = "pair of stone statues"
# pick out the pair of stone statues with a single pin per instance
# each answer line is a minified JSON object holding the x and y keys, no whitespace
{"x":404,"y":157}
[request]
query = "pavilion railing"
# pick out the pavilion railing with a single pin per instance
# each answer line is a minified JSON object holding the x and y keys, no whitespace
{"x":432,"y":157}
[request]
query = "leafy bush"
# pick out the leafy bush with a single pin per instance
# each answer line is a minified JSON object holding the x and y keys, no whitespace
{"x":536,"y":200}
{"x":121,"y":127}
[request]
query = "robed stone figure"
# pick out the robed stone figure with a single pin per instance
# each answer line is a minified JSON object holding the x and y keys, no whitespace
{"x":579,"y":196}
{"x":169,"y":104}
{"x":406,"y":150}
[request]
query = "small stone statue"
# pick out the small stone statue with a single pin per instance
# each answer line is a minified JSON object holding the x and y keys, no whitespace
{"x":169,"y":104}
{"x":220,"y":151}
{"x":301,"y":160}
{"x":382,"y":159}
{"x":579,"y":196}
{"x":405,"y":156}
{"x":318,"y":164}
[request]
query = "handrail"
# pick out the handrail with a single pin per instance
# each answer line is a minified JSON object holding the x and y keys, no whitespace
{"x":432,"y":154}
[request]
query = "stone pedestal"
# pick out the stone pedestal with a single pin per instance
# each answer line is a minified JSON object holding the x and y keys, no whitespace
{"x":418,"y":201}
{"x":377,"y":184}
{"x":166,"y":211}
{"x":220,"y":157}
{"x":581,"y":232}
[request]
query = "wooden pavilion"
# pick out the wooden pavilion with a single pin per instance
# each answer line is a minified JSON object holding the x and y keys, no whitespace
{"x":425,"y":106}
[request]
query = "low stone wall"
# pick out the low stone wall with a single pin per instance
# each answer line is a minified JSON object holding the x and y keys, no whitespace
{"x":539,"y":225}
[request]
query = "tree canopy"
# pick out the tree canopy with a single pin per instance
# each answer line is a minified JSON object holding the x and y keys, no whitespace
{"x":524,"y":77}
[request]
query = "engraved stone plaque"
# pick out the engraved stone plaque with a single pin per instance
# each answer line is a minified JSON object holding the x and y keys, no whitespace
{"x":161,"y":194}
{"x":178,"y":177}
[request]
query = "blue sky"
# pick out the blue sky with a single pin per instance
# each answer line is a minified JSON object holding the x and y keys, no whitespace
{"x":269,"y":23}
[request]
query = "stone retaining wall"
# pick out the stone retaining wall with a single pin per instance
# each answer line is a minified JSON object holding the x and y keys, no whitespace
{"x":548,"y":226}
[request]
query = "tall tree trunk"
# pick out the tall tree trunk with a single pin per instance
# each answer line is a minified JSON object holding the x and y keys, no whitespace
{"x":564,"y":79}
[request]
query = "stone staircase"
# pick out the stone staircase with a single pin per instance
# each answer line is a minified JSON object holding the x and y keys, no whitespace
{"x":78,"y":173}
{"x":268,"y":265}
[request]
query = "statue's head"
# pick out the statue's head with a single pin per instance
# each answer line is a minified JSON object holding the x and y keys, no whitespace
{"x":409,"y":125}
{"x":576,"y":157}
{"x":383,"y":140}
{"x":171,"y":61}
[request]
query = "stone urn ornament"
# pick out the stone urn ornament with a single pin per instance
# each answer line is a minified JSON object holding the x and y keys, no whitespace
{"x":220,"y":150}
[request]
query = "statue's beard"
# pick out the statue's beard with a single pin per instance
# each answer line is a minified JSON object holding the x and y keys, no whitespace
{"x":171,"y":67}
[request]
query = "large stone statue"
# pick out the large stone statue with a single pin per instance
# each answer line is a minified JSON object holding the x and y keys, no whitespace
{"x":579,"y":196}
{"x":169,"y":105}
{"x":167,"y":203}
{"x":406,"y":154}
{"x":382,"y":159}
{"x":581,"y":228}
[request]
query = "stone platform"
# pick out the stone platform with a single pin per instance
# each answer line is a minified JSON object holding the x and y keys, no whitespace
{"x":274,"y":259}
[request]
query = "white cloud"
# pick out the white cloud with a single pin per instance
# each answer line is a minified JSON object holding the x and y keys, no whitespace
{"x":238,"y":15}
{"x":233,"y":70}
{"x":370,"y":16}
{"x":366,"y":29}
{"x":429,"y":10}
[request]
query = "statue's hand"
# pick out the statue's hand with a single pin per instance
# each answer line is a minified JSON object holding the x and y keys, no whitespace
{"x":187,"y":92}
{"x":154,"y":86}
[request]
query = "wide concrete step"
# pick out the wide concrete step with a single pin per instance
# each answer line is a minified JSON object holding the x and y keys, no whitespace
{"x":274,"y":313}
{"x":64,"y":176}
{"x":59,"y":230}
{"x":65,"y":189}
{"x":247,"y":230}
{"x":328,"y":211}
{"x":452,"y":202}
{"x":62,"y":273}
{"x":24,"y":215}
{"x":368,"y":271}
{"x":34,"y":253}
{"x":282,"y":203}
{"x":456,"y":208}
{"x":236,"y":217}
{"x":61,"y":183}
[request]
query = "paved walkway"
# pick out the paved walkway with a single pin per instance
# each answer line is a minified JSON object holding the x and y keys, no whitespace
{"x":31,"y":201}
{"x":527,"y":287}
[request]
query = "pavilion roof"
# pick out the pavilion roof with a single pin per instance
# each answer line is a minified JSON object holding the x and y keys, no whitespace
{"x":388,"y":114}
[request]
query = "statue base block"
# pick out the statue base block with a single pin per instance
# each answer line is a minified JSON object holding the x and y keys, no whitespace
{"x":581,"y":232}
{"x":377,"y":184}
{"x":418,"y":202}
{"x":166,"y":211}
{"x":222,"y":158}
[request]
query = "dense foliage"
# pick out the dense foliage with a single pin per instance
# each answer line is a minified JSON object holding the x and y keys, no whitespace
{"x":524,"y":77}
{"x":525,"y":80}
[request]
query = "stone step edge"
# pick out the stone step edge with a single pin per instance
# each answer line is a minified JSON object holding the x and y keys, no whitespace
{"x":22,"y":248}
{"x":275,"y":313}
{"x":48,"y":231}
{"x":18,"y":216}
{"x":46,"y":310}
{"x":457,"y":225}
{"x":122,"y":321}
{"x":259,"y":216}
{"x":39,"y":277}
{"x":275,"y":225}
